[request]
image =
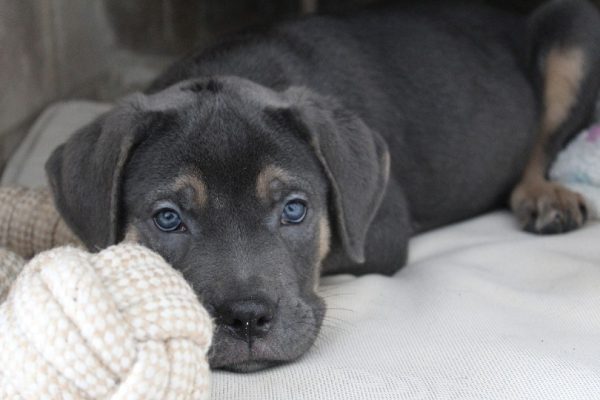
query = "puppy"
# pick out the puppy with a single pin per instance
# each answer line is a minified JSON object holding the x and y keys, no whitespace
{"x":321,"y":145}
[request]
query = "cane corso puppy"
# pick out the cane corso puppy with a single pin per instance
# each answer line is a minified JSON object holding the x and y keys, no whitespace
{"x":321,"y":145}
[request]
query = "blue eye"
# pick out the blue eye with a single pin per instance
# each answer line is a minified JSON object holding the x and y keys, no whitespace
{"x":168,"y":220}
{"x":293,"y":212}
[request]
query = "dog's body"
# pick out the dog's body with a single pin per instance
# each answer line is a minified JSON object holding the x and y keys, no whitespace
{"x":322,"y":145}
{"x":438,"y":88}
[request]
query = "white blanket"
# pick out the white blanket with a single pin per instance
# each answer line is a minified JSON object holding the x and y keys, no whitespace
{"x":481,"y":311}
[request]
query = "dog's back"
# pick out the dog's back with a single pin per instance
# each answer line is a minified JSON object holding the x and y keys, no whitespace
{"x":440,"y":84}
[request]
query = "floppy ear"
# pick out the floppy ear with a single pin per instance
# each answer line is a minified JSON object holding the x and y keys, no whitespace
{"x":354,"y":158}
{"x":85,"y":175}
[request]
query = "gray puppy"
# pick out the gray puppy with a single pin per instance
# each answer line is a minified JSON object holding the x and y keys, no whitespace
{"x":321,"y":145}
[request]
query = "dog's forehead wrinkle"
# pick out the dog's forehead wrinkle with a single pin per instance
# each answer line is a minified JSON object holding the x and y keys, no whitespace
{"x":169,"y":99}
{"x":238,"y":92}
{"x":254,"y":93}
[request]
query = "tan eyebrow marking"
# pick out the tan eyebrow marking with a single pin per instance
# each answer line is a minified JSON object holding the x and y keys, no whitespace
{"x":264,"y":179}
{"x":187,"y":180}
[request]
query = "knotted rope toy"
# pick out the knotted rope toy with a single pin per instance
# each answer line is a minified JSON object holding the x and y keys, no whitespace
{"x":119,"y":324}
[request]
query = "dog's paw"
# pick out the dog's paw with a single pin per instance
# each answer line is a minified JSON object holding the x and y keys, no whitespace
{"x":546,"y":208}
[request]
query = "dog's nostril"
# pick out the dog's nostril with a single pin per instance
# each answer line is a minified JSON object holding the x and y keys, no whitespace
{"x":247,"y":319}
{"x":237,"y":324}
{"x":262,"y":321}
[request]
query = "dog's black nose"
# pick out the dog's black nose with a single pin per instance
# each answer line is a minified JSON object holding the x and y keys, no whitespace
{"x":247,"y":319}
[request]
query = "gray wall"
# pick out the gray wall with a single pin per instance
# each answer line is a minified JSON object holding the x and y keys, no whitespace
{"x":47,"y":49}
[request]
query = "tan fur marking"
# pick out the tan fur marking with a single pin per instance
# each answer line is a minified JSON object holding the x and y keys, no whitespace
{"x":386,"y":165}
{"x":324,"y":246}
{"x":324,"y":238}
{"x":538,"y":204}
{"x":191,"y":181}
{"x":564,"y":73}
{"x":132,"y":235}
{"x":264,"y":179}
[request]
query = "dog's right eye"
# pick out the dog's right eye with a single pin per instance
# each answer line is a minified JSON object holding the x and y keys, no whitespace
{"x":293,"y":212}
{"x":168,"y":220}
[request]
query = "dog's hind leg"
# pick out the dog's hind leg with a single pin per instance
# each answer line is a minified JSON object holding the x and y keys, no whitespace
{"x":565,"y":65}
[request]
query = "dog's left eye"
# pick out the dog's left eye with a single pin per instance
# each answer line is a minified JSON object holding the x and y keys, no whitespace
{"x":168,"y":220}
{"x":294,"y":212}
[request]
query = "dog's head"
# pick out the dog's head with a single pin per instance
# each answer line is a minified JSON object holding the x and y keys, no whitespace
{"x":243,"y":189}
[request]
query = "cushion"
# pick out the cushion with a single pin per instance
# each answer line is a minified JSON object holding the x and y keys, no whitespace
{"x":53,"y":126}
{"x":481,"y":311}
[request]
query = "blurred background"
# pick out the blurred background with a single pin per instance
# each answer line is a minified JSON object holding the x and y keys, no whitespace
{"x":58,"y":49}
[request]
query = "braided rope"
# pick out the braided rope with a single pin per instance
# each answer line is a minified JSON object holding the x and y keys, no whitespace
{"x":30,"y":223}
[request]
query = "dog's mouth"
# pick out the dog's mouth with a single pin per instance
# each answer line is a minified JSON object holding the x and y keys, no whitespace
{"x":233,"y":354}
{"x":289,"y":339}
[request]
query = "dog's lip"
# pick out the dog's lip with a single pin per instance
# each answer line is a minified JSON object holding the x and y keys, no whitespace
{"x":243,"y":358}
{"x":251,"y":365}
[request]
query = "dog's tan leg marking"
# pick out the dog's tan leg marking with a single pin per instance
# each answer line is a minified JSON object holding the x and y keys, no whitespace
{"x":189,"y":180}
{"x":268,"y":177}
{"x":542,"y":206}
{"x":564,"y":73}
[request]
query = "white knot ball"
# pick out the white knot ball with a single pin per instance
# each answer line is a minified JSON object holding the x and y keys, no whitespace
{"x":120,"y":324}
